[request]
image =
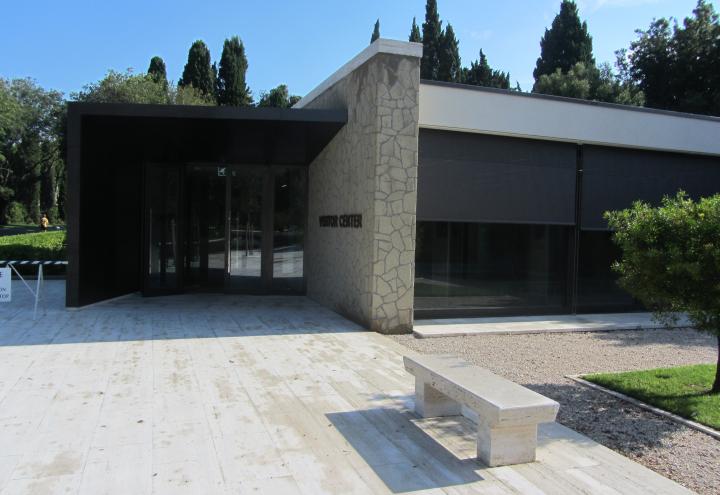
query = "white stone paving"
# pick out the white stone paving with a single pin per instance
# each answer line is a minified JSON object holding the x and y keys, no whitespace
{"x":458,"y":327}
{"x":235,"y":394}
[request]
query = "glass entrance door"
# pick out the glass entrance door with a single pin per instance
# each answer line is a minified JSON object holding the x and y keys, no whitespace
{"x":205,"y":257}
{"x":288,"y":227}
{"x":247,"y":244}
{"x":224,"y":228}
{"x":163,"y":228}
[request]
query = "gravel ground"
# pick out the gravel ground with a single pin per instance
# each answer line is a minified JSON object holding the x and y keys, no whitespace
{"x":541,"y":362}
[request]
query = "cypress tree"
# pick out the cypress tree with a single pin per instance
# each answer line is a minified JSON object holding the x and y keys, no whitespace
{"x":198,"y":71}
{"x":431,"y":37}
{"x":376,"y":32}
{"x":481,"y":74}
{"x":158,"y":71}
{"x":565,"y":44}
{"x":415,"y":33}
{"x":449,"y":68}
{"x":231,"y":87}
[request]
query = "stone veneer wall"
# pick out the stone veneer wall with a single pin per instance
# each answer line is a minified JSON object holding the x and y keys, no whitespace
{"x":370,"y":167}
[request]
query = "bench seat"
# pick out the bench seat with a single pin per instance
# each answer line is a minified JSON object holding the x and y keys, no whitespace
{"x":508,"y":413}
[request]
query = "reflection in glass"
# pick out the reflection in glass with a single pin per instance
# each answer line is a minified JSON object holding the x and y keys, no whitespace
{"x":246,"y":233}
{"x":597,"y":283}
{"x":206,"y":226}
{"x":491,"y":267}
{"x":289,"y":229}
{"x":163,"y":186}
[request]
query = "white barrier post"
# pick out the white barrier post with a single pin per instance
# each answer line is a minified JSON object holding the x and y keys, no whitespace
{"x":36,"y":292}
{"x":37,"y":289}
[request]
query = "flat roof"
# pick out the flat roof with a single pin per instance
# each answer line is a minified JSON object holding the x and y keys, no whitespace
{"x":464,"y":108}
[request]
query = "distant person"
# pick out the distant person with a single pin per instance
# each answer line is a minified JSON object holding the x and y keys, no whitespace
{"x":44,"y":223}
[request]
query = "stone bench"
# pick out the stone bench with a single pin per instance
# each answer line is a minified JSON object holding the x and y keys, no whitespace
{"x":508,"y":413}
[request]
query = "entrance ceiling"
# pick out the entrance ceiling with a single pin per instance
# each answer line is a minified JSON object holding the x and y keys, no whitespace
{"x":232,"y":135}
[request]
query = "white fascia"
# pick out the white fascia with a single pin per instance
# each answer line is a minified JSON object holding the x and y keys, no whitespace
{"x":480,"y":110}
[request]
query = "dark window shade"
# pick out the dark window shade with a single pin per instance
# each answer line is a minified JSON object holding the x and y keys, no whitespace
{"x":614,"y":178}
{"x":480,"y":178}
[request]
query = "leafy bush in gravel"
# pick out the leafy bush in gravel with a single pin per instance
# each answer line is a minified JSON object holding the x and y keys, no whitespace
{"x":671,"y":260}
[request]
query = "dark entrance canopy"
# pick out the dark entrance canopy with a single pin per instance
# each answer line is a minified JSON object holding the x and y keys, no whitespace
{"x":110,"y":145}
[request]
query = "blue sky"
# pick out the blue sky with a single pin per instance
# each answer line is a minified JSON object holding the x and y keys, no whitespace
{"x":66,"y":44}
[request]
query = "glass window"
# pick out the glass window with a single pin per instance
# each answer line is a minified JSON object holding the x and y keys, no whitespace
{"x":205,"y":246}
{"x":597,"y":283}
{"x":493,"y":268}
{"x":162,"y":232}
{"x":289,"y":229}
{"x":246,"y":229}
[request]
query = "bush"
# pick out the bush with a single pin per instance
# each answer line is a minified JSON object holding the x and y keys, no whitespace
{"x":671,"y":260}
{"x":37,"y":246}
{"x":15,"y":213}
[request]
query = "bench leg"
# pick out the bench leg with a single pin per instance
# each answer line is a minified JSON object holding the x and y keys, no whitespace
{"x":429,"y":403}
{"x":505,"y":446}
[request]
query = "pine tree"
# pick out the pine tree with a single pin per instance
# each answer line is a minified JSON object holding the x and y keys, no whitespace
{"x":431,"y":37}
{"x":566,"y":43}
{"x":376,"y":32}
{"x":415,"y":36}
{"x":231,"y":86}
{"x":449,"y":68}
{"x":158,"y":71}
{"x":198,"y":71}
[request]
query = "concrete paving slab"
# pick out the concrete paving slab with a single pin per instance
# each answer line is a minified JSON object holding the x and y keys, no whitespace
{"x":458,"y":327}
{"x":225,"y":394}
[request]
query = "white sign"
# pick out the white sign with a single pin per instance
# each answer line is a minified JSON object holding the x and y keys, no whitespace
{"x":5,"y":285}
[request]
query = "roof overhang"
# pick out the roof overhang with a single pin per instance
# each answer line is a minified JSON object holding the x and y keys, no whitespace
{"x":224,"y":134}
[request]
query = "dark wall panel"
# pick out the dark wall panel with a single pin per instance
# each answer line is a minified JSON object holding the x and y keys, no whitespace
{"x":480,"y":178}
{"x":613,"y":178}
{"x":109,"y":217}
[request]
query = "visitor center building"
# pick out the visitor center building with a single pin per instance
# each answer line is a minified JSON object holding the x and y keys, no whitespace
{"x":382,"y":196}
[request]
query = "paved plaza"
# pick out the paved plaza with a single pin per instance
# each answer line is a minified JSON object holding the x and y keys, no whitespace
{"x":240,"y":394}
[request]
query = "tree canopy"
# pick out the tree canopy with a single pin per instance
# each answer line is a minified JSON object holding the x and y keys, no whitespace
{"x":678,"y":66}
{"x":441,"y":55}
{"x":158,"y":71}
{"x":126,"y":87}
{"x":449,"y":68}
{"x":671,"y":260}
{"x":231,"y":86}
{"x":376,"y":32}
{"x":565,"y":44}
{"x":31,"y":156}
{"x":198,"y":71}
{"x":566,"y":66}
{"x":123,"y":87}
{"x":481,"y":74}
{"x":431,"y":39}
{"x":278,"y":97}
{"x":415,"y":35}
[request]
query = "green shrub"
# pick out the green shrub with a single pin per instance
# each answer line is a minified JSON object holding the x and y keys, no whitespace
{"x":15,"y":213}
{"x":37,"y":246}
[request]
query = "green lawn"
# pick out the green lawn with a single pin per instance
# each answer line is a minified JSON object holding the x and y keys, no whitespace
{"x":37,"y":246}
{"x":683,"y":390}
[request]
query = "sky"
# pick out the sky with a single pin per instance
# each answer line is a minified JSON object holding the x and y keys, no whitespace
{"x":65,"y":45}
